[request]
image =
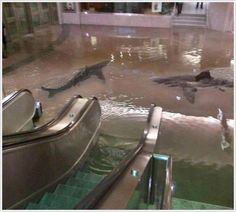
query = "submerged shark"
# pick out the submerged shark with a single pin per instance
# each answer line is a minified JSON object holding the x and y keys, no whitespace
{"x":81,"y":75}
{"x":190,"y":83}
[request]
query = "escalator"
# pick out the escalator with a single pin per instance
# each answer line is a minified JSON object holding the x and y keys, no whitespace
{"x":60,"y":181}
{"x":67,"y":195}
{"x":85,"y":189}
{"x":36,"y":161}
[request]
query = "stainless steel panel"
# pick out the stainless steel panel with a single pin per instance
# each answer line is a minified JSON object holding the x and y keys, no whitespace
{"x":18,"y":113}
{"x":119,"y":194}
{"x":42,"y":130}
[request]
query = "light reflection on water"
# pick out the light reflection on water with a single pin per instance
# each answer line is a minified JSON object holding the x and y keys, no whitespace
{"x":150,"y":50}
{"x":122,"y":109}
{"x":108,"y":153}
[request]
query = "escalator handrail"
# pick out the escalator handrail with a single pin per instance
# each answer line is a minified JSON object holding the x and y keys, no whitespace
{"x":45,"y":138}
{"x":93,"y":197}
{"x":45,"y":126}
{"x":14,"y":95}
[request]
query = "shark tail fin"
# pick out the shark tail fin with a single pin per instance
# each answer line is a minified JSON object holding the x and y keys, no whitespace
{"x":100,"y":75}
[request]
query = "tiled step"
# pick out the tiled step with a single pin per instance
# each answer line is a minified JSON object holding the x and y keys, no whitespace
{"x":190,"y":25}
{"x":58,"y":201}
{"x":67,"y":195}
{"x":88,"y":176}
{"x":191,"y":15}
{"x":190,"y":20}
{"x":53,"y":201}
{"x":81,"y":183}
{"x":199,"y":18}
{"x":71,"y":191}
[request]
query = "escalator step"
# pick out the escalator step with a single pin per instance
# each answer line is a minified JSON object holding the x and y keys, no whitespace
{"x":67,"y":195}
{"x":80,"y":183}
{"x":46,"y":199}
{"x":31,"y":206}
{"x":55,"y":201}
{"x":88,"y":176}
{"x":72,"y":191}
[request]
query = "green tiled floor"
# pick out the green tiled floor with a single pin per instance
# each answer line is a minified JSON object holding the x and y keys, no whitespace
{"x":178,"y":204}
{"x":68,"y":195}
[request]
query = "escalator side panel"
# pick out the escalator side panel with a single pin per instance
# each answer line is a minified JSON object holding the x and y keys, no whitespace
{"x":33,"y":168}
{"x":18,"y":113}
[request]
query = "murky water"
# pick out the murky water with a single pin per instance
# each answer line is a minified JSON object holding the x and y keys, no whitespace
{"x":189,"y":132}
{"x":108,"y":153}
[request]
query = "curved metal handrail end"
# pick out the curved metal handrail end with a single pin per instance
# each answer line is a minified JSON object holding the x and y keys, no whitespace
{"x":48,"y":124}
{"x":57,"y":133}
{"x":4,"y":103}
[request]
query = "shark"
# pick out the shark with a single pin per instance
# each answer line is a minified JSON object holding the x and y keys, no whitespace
{"x":79,"y":76}
{"x":191,"y":83}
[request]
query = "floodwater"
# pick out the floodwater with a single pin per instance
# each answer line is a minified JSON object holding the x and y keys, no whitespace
{"x":190,"y":133}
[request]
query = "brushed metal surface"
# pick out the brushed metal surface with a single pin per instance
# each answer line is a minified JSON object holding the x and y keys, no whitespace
{"x":36,"y":165}
{"x":117,"y":197}
{"x":36,"y":132}
{"x":18,"y":112}
{"x":92,"y":198}
{"x":119,"y":194}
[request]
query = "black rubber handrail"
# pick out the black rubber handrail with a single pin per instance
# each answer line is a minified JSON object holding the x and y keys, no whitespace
{"x":93,"y":197}
{"x":45,"y":138}
{"x":17,"y":93}
{"x":45,"y":126}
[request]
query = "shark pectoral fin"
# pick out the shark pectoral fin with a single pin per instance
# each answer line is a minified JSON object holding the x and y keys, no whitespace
{"x":44,"y":88}
{"x":100,"y":75}
{"x":189,"y":93}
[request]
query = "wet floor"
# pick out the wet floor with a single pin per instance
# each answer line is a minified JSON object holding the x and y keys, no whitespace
{"x":189,"y":131}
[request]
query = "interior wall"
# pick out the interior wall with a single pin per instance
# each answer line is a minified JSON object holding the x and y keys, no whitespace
{"x":221,"y":16}
{"x":112,"y":19}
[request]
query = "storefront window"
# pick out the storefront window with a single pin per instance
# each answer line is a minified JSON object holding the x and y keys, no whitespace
{"x":9,"y":9}
{"x":130,"y":7}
